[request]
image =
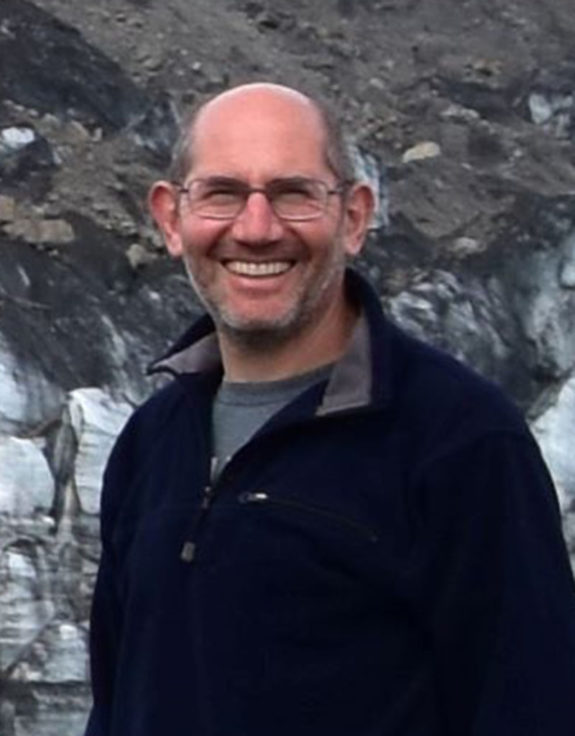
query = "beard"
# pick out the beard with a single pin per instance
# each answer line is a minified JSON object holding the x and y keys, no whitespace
{"x":313,"y":297}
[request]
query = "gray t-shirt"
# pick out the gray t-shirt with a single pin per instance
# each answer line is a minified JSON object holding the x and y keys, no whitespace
{"x":240,"y":409}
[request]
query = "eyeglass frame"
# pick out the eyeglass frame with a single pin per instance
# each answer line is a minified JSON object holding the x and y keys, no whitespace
{"x":248,"y":190}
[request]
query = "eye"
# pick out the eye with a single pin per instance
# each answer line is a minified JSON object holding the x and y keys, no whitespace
{"x":295,"y":188}
{"x":220,"y":192}
{"x":218,"y":198}
{"x":296,"y":198}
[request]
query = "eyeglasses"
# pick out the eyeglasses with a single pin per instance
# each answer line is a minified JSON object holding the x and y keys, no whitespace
{"x":293,"y":198}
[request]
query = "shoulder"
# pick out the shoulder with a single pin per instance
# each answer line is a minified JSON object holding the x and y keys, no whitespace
{"x":447,"y":401}
{"x":427,"y":386}
{"x":470,"y":446}
{"x":150,"y":417}
{"x":138,"y":447}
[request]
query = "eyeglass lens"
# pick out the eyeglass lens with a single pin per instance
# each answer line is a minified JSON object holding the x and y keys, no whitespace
{"x":298,"y":198}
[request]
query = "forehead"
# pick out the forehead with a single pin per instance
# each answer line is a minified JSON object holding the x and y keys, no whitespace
{"x":259,"y":135}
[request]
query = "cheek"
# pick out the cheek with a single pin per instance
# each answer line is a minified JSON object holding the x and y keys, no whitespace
{"x":320,"y":240}
{"x":200,"y":237}
{"x":329,"y":245}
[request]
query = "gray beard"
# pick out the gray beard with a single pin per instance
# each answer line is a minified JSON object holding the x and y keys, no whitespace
{"x":257,"y":337}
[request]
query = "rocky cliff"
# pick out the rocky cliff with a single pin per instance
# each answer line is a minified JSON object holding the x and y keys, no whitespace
{"x":463,"y":118}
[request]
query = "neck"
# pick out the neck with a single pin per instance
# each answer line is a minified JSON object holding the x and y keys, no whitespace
{"x":320,"y":343}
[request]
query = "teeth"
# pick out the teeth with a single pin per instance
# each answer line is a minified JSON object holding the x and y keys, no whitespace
{"x":252,"y":268}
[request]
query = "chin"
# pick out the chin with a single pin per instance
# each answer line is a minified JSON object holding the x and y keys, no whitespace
{"x":256,"y":331}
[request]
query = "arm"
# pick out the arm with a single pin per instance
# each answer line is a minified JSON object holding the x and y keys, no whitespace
{"x":105,"y":634}
{"x":106,"y":614}
{"x":499,"y":597}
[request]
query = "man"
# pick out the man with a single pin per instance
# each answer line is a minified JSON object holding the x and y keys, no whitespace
{"x":321,"y":526}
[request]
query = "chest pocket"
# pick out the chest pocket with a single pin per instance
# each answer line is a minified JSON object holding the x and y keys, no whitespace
{"x":317,"y":514}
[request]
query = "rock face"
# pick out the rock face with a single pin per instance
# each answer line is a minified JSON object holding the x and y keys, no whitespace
{"x":463,"y":119}
{"x":49,"y":487}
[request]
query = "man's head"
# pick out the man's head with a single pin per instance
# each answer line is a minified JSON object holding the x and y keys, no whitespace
{"x":274,"y":266}
{"x":336,"y":150}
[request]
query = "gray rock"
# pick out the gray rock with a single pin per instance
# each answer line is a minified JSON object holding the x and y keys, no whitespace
{"x":91,"y":422}
{"x":26,"y":483}
{"x":27,"y":397}
{"x":54,"y":231}
{"x":89,"y":83}
{"x":547,"y":313}
{"x":553,"y":112}
{"x":14,"y":139}
{"x":27,"y":607}
{"x":7,"y":208}
{"x":554,"y":430}
{"x":421,"y":151}
{"x":551,"y":101}
{"x":59,"y":655}
{"x":464,"y":246}
{"x":140,"y":256}
{"x":458,"y":316}
{"x":567,"y":267}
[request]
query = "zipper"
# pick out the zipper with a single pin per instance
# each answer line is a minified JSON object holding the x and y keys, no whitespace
{"x":189,"y":547}
{"x":261,"y":497}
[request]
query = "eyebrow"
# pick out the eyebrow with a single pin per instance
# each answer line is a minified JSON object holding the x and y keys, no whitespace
{"x":224,"y":179}
{"x":291,"y":180}
{"x":221,"y":179}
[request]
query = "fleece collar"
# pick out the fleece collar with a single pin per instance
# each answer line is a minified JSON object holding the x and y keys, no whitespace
{"x":352,"y":383}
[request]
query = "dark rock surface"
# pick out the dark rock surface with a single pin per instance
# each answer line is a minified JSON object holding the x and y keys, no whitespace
{"x":463,"y":113}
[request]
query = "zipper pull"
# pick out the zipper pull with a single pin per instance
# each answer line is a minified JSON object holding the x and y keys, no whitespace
{"x":207,"y":498}
{"x":188,"y":552}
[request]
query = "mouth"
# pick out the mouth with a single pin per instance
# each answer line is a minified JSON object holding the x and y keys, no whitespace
{"x":258,"y":269}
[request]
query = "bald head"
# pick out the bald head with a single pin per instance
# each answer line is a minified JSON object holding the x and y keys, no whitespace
{"x":221,"y":115}
{"x":273,"y":266}
{"x":262,"y":93}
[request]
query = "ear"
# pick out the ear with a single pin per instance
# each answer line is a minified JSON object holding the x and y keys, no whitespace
{"x":358,"y":205}
{"x":164,"y":208}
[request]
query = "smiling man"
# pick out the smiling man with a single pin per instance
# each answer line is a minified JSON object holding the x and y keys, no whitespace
{"x":264,"y":224}
{"x":321,"y":527}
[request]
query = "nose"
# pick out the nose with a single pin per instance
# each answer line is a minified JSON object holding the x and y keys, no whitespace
{"x":257,"y":223}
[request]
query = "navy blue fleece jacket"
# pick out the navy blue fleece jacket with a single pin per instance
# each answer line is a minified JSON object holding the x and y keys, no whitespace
{"x":383,"y":558}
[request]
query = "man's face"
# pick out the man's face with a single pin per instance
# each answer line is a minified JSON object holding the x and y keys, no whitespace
{"x":259,"y":274}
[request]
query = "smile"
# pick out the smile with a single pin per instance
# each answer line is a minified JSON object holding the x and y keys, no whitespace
{"x":258,"y":269}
